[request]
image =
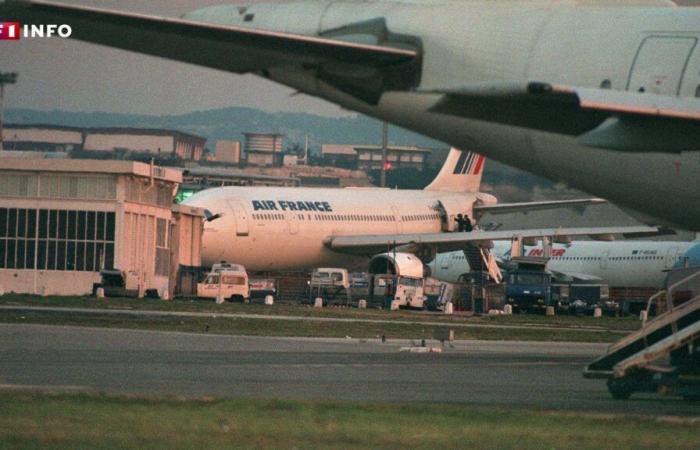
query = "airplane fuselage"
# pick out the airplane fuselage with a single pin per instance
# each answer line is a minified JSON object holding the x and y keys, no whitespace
{"x":271,"y":229}
{"x":650,"y":49}
{"x":620,"y":264}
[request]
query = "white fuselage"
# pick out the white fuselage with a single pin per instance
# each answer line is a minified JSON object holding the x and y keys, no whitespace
{"x":619,"y":264}
{"x":266,"y":228}
{"x":558,"y":42}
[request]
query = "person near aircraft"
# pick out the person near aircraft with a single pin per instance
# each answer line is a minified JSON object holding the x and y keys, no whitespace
{"x":468,"y":224}
{"x":460,"y":222}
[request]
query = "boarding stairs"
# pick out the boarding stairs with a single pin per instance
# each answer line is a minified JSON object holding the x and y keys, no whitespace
{"x":481,"y":259}
{"x":677,"y":327}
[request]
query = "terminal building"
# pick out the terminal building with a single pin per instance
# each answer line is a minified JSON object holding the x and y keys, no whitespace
{"x":369,"y":157}
{"x":64,"y":221}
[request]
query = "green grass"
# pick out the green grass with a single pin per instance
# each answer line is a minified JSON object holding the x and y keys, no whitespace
{"x":194,"y":305}
{"x":288,"y":328}
{"x":76,"y":421}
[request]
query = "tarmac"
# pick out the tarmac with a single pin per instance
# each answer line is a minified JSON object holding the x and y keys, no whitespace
{"x":541,"y":375}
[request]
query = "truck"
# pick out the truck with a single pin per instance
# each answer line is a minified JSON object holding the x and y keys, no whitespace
{"x":225,"y":281}
{"x":528,"y":290}
{"x":332,"y":284}
{"x":398,"y":280}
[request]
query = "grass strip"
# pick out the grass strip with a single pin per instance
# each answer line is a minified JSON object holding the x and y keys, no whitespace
{"x":95,"y":421}
{"x":194,"y":305}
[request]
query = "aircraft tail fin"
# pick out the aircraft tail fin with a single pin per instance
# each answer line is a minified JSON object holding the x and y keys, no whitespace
{"x":461,"y":172}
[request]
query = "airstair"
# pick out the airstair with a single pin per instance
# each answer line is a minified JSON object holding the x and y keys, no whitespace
{"x":481,"y":259}
{"x":664,"y":353}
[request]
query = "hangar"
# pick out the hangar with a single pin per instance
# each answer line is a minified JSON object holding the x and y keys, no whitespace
{"x":63,"y":221}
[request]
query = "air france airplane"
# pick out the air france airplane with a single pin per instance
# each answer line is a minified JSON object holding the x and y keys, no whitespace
{"x":602,"y":94}
{"x":639,"y":264}
{"x":271,"y":228}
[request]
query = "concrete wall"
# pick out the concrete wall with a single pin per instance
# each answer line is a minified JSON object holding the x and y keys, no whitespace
{"x":47,"y":282}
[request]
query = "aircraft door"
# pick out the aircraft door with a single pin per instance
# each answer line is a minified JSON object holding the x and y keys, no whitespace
{"x":604,"y":258}
{"x":240,"y":215}
{"x":671,"y":257}
{"x":397,"y":218}
{"x":659,"y":65}
{"x":293,"y":223}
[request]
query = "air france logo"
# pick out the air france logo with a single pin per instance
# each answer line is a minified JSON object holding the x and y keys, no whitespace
{"x":13,"y":31}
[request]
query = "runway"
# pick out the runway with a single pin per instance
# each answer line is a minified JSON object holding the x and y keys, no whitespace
{"x":521,"y":374}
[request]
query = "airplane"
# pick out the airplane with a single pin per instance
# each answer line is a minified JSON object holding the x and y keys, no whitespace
{"x":274,"y":228}
{"x":603,"y":95}
{"x":639,"y":264}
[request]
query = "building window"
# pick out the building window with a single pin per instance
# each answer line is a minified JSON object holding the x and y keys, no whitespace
{"x":80,"y":187}
{"x":12,"y":185}
{"x":162,"y":248}
{"x":56,"y":239}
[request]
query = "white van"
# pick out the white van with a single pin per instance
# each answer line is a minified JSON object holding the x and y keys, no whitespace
{"x":225,"y":281}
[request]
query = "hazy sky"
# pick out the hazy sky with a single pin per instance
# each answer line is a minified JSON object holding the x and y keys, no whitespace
{"x":70,"y":75}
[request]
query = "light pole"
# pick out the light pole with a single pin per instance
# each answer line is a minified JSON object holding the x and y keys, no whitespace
{"x":5,"y":78}
{"x":385,"y":138}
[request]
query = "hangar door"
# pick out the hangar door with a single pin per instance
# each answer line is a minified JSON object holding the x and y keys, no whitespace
{"x":659,"y":65}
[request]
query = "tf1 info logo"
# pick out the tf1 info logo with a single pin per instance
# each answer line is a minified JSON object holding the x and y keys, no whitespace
{"x":13,"y":31}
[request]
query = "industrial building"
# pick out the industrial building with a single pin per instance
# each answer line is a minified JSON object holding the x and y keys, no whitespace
{"x":145,"y":140}
{"x":369,"y":157}
{"x":78,"y":217}
{"x":228,"y":152}
{"x":263,"y":149}
{"x":42,"y":138}
{"x":53,"y":138}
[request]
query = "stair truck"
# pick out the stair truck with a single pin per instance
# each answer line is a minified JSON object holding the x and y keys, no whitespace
{"x":664,"y":355}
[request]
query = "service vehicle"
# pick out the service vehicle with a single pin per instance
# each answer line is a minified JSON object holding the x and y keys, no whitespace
{"x":225,"y":281}
{"x":332,"y":284}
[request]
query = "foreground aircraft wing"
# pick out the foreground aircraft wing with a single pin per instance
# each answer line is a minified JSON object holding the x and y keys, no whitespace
{"x":229,"y":48}
{"x":505,"y":208}
{"x":603,"y":118}
{"x":443,"y":242}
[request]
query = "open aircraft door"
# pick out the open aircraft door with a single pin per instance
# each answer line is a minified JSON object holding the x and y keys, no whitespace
{"x":240,"y":215}
{"x":659,"y":65}
{"x":449,"y":208}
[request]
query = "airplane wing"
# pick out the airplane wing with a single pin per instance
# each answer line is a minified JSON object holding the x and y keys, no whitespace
{"x":443,"y":242}
{"x":574,"y":276}
{"x":230,"y":48}
{"x":504,"y":208}
{"x":604,"y":118}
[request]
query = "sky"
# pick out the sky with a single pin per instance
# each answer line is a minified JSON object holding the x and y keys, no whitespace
{"x":74,"y":76}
